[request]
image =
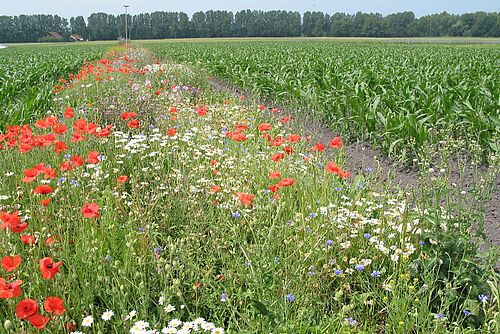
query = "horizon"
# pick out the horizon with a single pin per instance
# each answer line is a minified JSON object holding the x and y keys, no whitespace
{"x":384,"y":7}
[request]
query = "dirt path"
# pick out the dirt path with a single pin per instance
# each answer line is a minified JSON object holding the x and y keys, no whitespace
{"x":362,"y":158}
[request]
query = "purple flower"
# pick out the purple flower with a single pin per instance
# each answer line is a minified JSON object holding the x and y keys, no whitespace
{"x":351,"y":321}
{"x":236,"y":215}
{"x":466,"y":312}
{"x":367,"y":235}
{"x":483,"y":298}
{"x":338,"y":272}
{"x":376,"y":273}
{"x":329,"y":242}
{"x":223,"y":297}
{"x":290,"y":298}
{"x":439,"y":316}
{"x":359,"y":267}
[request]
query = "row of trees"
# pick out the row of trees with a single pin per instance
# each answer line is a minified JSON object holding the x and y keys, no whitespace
{"x":249,"y":23}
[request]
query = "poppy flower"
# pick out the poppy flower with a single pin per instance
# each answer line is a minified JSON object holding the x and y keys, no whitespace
{"x":43,"y":189}
{"x":26,"y":308}
{"x":293,"y":138}
{"x":60,"y":146}
{"x":274,"y":175}
{"x":45,"y":202}
{"x":245,"y":198}
{"x":10,"y":290}
{"x":133,"y":124}
{"x":77,"y":137}
{"x":93,"y":157}
{"x":286,"y":182}
{"x":104,"y":132}
{"x":213,"y":162}
{"x":331,"y":167}
{"x":60,"y":128}
{"x":264,"y":127}
{"x":127,"y":115}
{"x":18,"y":227}
{"x":39,"y":321}
{"x":90,"y":210}
{"x":173,"y":110}
{"x":10,"y":263}
{"x":77,"y":161}
{"x":336,"y":143}
{"x":215,"y":189}
{"x":285,"y":119}
{"x":275,"y":110}
{"x":288,"y":150}
{"x":48,"y":268}
{"x":343,"y":174}
{"x":262,"y":107}
{"x":122,"y":178}
{"x":66,"y":166}
{"x":276,"y":157}
{"x":318,"y":147}
{"x":278,"y":141}
{"x":171,"y":132}
{"x":28,"y":239}
{"x":69,"y":112}
{"x":201,"y":111}
{"x":54,"y":305}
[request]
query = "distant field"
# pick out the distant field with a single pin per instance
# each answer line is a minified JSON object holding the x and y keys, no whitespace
{"x":400,"y":97}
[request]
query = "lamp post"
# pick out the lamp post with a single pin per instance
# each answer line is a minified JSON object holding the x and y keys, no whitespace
{"x":126,"y":27}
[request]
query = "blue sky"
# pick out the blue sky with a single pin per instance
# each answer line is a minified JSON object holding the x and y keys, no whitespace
{"x":68,"y":8}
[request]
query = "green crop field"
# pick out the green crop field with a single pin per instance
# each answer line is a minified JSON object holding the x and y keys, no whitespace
{"x":28,"y":75}
{"x":399,"y":97}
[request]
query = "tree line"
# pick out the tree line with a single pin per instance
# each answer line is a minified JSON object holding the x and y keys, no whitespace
{"x":249,"y":23}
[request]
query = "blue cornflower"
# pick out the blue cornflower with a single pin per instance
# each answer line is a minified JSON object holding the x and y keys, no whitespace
{"x":360,"y":185}
{"x":276,"y":260}
{"x":351,"y":321}
{"x":367,"y":235}
{"x":329,"y":242}
{"x":338,"y":272}
{"x":67,"y":156}
{"x":483,"y":298}
{"x":158,"y":250}
{"x":439,"y":316}
{"x":290,"y":298}
{"x":368,"y":170}
{"x":359,"y":267}
{"x":141,"y":229}
{"x":313,"y":215}
{"x":74,"y":183}
{"x":466,"y":312}
{"x":236,"y":215}
{"x":108,"y":258}
{"x":338,"y":188}
{"x":101,"y":157}
{"x":376,"y":273}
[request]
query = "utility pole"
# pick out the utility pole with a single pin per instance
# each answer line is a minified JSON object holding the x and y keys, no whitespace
{"x":126,"y":26}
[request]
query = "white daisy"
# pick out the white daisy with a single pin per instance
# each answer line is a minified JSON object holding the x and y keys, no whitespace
{"x":107,"y":315}
{"x":88,"y":321}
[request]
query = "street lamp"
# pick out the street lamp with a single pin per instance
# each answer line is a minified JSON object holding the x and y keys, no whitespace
{"x":126,"y":26}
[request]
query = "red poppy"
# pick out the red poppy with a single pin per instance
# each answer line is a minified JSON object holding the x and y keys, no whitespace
{"x":278,"y":141}
{"x":318,"y":147}
{"x":66,"y":166}
{"x":261,"y":107}
{"x":286,"y":182}
{"x":293,"y":138}
{"x":171,"y":132}
{"x":215,"y":189}
{"x":275,"y":110}
{"x":285,"y":119}
{"x":133,"y":124}
{"x":202,"y":111}
{"x":45,"y":202}
{"x":77,"y":161}
{"x":77,"y":137}
{"x":122,"y":178}
{"x":264,"y":127}
{"x":173,"y":109}
{"x":10,"y":290}
{"x":69,"y":112}
{"x":336,"y":142}
{"x":10,"y":263}
{"x":28,"y":239}
{"x":26,"y":308}
{"x":274,"y":175}
{"x":331,"y":167}
{"x":48,"y":268}
{"x":104,"y":132}
{"x":90,"y":210}
{"x":127,"y":115}
{"x":60,"y":128}
{"x":43,"y":189}
{"x":343,"y":174}
{"x":277,"y":157}
{"x":213,"y":162}
{"x":288,"y":150}
{"x":245,"y":198}
{"x":60,"y":146}
{"x":93,"y":157}
{"x":49,"y":241}
{"x":18,"y":227}
{"x":54,"y":305}
{"x":39,"y":321}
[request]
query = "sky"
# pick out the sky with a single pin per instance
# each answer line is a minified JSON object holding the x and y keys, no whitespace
{"x":69,"y":8}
